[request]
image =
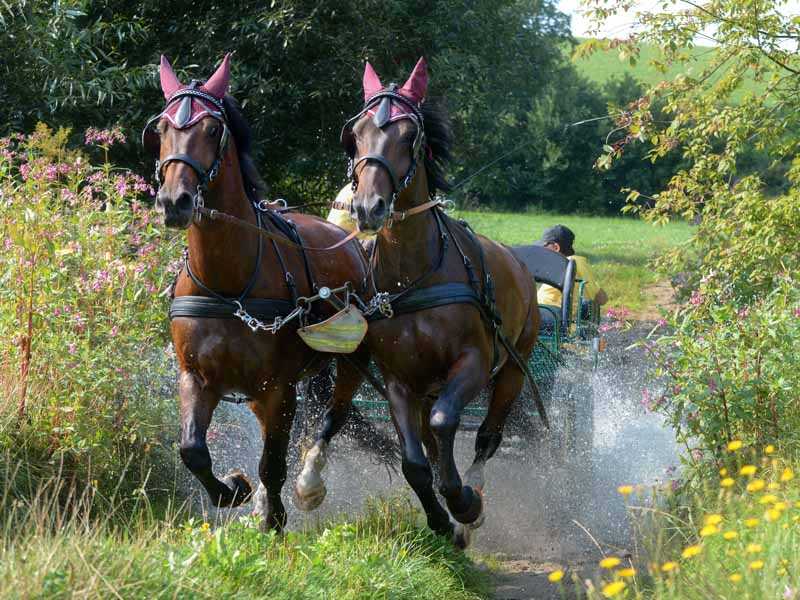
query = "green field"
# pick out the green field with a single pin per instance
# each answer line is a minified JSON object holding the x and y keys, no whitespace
{"x":619,"y":249}
{"x":604,"y":65}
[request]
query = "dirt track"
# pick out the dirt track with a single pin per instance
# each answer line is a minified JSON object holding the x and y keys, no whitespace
{"x":539,"y":515}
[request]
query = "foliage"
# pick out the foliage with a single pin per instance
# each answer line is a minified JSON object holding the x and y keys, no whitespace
{"x":384,"y":553}
{"x":297,"y":69}
{"x":83,"y":335}
{"x":733,"y":536}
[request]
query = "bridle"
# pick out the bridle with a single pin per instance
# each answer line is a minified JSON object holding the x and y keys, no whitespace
{"x":204,"y":176}
{"x":383,"y":100}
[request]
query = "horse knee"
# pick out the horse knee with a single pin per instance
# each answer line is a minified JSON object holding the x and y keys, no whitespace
{"x":444,"y":423}
{"x":196,"y":457}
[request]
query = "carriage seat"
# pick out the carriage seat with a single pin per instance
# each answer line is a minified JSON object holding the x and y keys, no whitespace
{"x":553,"y":269}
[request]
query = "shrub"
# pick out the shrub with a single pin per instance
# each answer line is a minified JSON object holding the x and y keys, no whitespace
{"x":81,"y":322}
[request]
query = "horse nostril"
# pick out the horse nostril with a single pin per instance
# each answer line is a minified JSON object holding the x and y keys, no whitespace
{"x":184,"y":202}
{"x":380,"y":208}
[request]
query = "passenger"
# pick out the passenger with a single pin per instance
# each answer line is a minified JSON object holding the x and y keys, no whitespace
{"x":340,"y":213}
{"x":560,"y":239}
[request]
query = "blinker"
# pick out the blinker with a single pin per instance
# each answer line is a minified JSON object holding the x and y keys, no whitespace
{"x":384,"y":113}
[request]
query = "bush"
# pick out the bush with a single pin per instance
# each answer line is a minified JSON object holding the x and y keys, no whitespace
{"x":81,"y":324}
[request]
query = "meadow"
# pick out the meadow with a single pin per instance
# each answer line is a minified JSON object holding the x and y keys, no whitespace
{"x":619,"y":249}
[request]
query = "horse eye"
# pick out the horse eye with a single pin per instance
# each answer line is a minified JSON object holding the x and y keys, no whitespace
{"x":212,"y":131}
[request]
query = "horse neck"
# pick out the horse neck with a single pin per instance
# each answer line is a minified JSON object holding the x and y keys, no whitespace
{"x":410,"y":247}
{"x":223,"y":255}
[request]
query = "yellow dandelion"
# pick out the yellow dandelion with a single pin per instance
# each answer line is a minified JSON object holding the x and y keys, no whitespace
{"x":787,"y":474}
{"x":714,"y":519}
{"x":612,"y":589}
{"x":734,"y":445}
{"x":768,"y":499}
{"x":730,"y":535}
{"x":708,"y":530}
{"x":756,"y":565}
{"x":754,"y":548}
{"x":781,"y":506}
{"x":555,"y":576}
{"x":723,"y":472}
{"x":669,"y":566}
{"x":735,"y":577}
{"x":772,"y":515}
{"x":782,"y":571}
{"x":691,"y":551}
{"x":785,"y":526}
{"x":748,"y":470}
{"x":756,"y":485}
{"x":609,"y":562}
{"x":627,"y":572}
{"x":205,"y":527}
{"x":727,"y":482}
{"x":625,"y":490}
{"x":751,"y":522}
{"x":769,"y":449}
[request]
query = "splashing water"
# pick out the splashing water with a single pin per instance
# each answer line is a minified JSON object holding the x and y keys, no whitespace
{"x":536,"y":506}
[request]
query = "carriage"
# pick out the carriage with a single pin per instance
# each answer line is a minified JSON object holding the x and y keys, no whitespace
{"x":565,"y":356}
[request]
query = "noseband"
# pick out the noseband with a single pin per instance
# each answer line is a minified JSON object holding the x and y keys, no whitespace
{"x":381,"y":119}
{"x":204,"y":176}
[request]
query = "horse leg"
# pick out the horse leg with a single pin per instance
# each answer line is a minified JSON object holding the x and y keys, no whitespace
{"x":415,"y":465}
{"x":309,"y":489}
{"x":275,"y":413}
{"x":463,"y":384}
{"x":197,"y":405}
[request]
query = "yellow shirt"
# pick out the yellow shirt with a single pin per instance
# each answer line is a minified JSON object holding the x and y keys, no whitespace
{"x":552,"y":296}
{"x":342,"y":217}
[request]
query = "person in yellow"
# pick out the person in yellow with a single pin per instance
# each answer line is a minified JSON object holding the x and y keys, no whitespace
{"x":560,"y":238}
{"x":340,"y":213}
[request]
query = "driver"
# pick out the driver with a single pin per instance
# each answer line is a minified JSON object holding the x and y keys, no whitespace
{"x":560,"y":238}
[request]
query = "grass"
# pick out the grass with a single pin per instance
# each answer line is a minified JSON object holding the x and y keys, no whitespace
{"x":619,"y":249}
{"x":732,"y":535}
{"x":386,"y":553}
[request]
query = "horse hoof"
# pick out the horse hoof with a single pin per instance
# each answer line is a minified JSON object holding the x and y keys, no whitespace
{"x":462,"y":536}
{"x":473,"y":512}
{"x":238,"y":484}
{"x":309,"y":499}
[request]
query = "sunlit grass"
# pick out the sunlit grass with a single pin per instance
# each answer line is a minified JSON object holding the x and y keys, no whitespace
{"x":619,"y":249}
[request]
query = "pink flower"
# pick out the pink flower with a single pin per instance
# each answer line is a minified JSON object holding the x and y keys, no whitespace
{"x":103,"y":137}
{"x":7,"y":243}
{"x":661,"y":323}
{"x":72,"y":348}
{"x":696,"y":299}
{"x":743,"y":312}
{"x":114,"y":331}
{"x":797,"y":312}
{"x":24,"y":171}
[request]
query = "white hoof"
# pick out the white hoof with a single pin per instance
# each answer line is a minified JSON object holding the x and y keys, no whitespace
{"x":260,"y":507}
{"x":462,"y":536}
{"x":310,"y":490}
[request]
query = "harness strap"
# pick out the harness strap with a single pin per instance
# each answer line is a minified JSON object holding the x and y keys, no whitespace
{"x":220,"y":308}
{"x":402,"y":215}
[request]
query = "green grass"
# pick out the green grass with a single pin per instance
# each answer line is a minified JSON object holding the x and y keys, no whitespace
{"x":619,"y":249}
{"x":604,"y":65}
{"x":386,"y":553}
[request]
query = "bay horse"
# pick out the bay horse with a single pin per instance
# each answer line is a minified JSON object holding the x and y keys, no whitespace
{"x":204,"y":166}
{"x":463,"y":308}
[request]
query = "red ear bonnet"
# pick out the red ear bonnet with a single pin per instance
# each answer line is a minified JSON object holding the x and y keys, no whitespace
{"x":372,"y":83}
{"x":217,"y":84}
{"x":187,"y":110}
{"x":414,"y":89}
{"x":416,"y":86}
{"x":169,"y":81}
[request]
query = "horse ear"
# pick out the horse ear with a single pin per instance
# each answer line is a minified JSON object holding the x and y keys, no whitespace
{"x":217,"y":84}
{"x":372,"y":83}
{"x":169,"y":81}
{"x":417,"y":84}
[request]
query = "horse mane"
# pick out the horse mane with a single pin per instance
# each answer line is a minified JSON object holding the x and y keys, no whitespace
{"x":254,"y":185}
{"x":439,"y":137}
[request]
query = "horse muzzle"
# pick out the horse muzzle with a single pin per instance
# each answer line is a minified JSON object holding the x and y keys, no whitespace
{"x":371,"y":213}
{"x":177,"y":212}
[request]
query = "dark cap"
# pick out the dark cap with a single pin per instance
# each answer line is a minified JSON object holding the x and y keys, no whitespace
{"x":559,"y":234}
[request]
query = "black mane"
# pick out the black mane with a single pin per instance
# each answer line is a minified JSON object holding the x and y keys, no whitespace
{"x":439,"y":136}
{"x":254,"y":186}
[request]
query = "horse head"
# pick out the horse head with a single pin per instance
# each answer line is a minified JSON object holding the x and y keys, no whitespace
{"x":190,"y":137}
{"x":385,"y":141}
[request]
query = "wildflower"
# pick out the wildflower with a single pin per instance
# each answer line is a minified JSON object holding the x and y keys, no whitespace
{"x":735,"y":577}
{"x":669,"y":566}
{"x":708,"y":530}
{"x":781,"y":506}
{"x":748,"y":470}
{"x":727,"y":482}
{"x":756,"y":565}
{"x":205,"y":526}
{"x":625,"y":490}
{"x":627,"y":572}
{"x":787,"y":474}
{"x":691,"y":551}
{"x":723,"y":472}
{"x":789,"y":593}
{"x":72,"y":348}
{"x":756,"y":485}
{"x":696,"y":299}
{"x":754,"y":548}
{"x":555,"y":576}
{"x":752,"y":522}
{"x":769,"y":449}
{"x":768,"y":499}
{"x":730,"y":535}
{"x":713,"y":519}
{"x":772,"y":515}
{"x":609,"y":562}
{"x":612,"y":589}
{"x":734,"y":445}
